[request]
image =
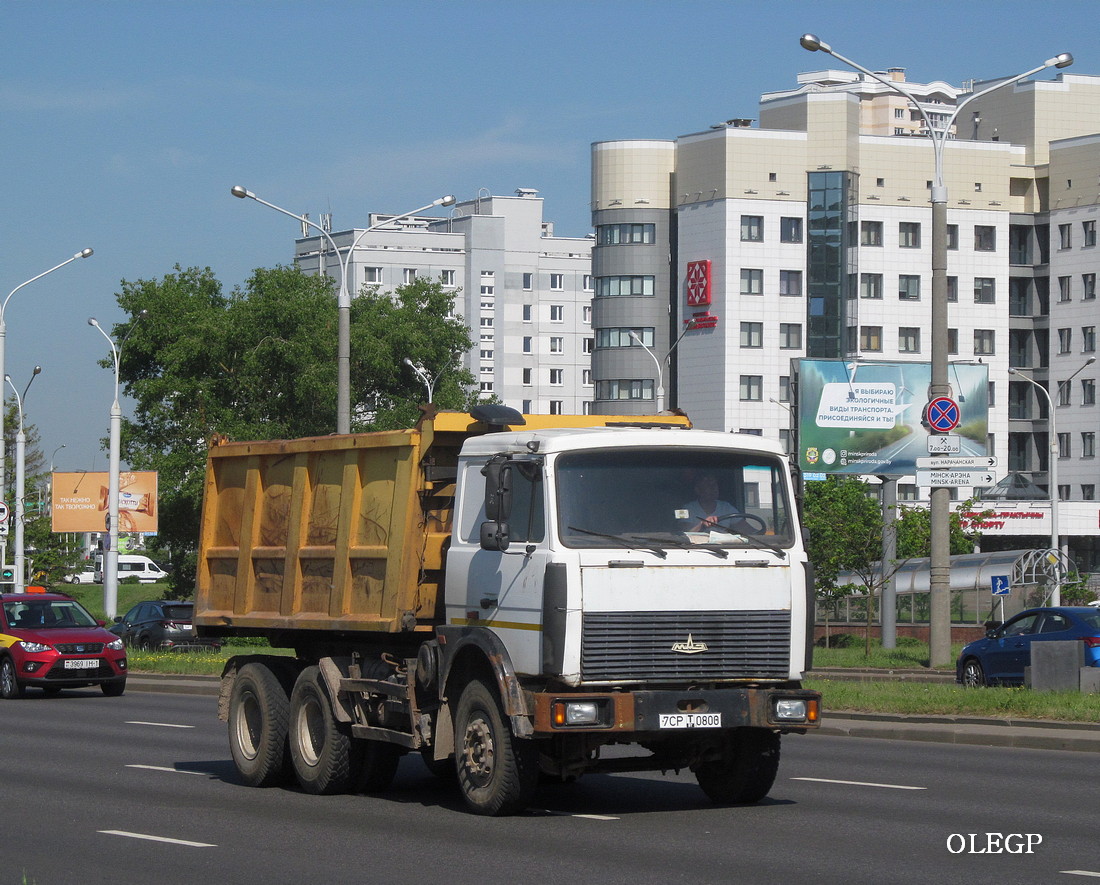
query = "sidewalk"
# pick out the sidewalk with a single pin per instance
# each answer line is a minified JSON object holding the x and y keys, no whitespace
{"x":1026,"y":733}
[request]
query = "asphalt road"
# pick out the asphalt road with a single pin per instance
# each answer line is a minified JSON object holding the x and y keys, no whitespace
{"x":141,"y":789}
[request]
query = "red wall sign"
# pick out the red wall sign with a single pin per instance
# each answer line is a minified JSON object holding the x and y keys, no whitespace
{"x":698,"y":283}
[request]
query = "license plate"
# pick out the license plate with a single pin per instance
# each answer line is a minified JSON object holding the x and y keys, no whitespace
{"x":83,"y":664}
{"x":691,"y":720}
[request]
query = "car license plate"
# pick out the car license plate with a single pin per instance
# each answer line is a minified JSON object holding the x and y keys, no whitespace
{"x":691,"y":720}
{"x":82,"y":664}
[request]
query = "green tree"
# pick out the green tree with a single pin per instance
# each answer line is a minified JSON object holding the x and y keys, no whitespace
{"x":260,"y":363}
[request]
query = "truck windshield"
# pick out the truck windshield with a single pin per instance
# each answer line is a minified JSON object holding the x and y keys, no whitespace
{"x":672,"y":497}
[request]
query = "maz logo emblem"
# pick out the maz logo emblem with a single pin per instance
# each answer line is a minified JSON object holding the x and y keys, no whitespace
{"x":691,"y":647}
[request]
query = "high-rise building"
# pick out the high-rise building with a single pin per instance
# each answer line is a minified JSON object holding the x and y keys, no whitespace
{"x":525,"y":293}
{"x":732,"y":250}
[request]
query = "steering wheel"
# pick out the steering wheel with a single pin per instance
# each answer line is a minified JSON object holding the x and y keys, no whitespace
{"x":757,"y":525}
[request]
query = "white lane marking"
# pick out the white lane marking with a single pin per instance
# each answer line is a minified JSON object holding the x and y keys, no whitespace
{"x":1089,"y":873}
{"x":550,"y":813}
{"x":825,"y":780}
{"x":149,"y":838}
{"x":159,"y":724}
{"x":165,"y":768}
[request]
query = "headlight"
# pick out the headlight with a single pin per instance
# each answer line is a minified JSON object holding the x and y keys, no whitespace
{"x":33,"y":646}
{"x":565,"y":713}
{"x":790,"y":709}
{"x":117,"y":645}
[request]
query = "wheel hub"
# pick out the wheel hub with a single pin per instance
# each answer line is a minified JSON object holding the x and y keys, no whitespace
{"x":477,"y":751}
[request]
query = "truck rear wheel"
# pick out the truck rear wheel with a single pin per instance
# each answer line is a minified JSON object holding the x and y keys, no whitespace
{"x":321,"y":749}
{"x":258,"y":714}
{"x":746,"y":771}
{"x":498,"y":773}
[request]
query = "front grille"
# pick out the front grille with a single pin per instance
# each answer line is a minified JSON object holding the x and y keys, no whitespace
{"x":80,"y":648}
{"x":619,"y":646}
{"x":58,"y":671}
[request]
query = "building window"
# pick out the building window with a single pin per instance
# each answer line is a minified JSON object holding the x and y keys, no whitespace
{"x":1088,"y":444}
{"x":984,"y":341}
{"x":408,"y":275}
{"x":557,"y":282}
{"x":374,"y":274}
{"x":784,"y":388}
{"x":1064,"y":394}
{"x":486,"y":322}
{"x":752,"y":388}
{"x":752,"y":228}
{"x":527,"y":313}
{"x":790,"y":282}
{"x":1088,"y":492}
{"x":625,"y":234}
{"x":557,"y":377}
{"x":620,"y":337}
{"x":557,"y":345}
{"x":785,"y":439}
{"x":870,"y":233}
{"x":1063,"y":445}
{"x":1065,"y":340}
{"x":870,"y":285}
{"x":909,"y":234}
{"x":557,"y":313}
{"x":752,"y":334}
{"x":1065,"y":291}
{"x":586,"y":377}
{"x":625,"y":388}
{"x":586,"y":282}
{"x":909,"y":287}
{"x":556,"y":406}
{"x":909,"y":339}
{"x":1065,"y":236}
{"x":486,"y":387}
{"x":1088,"y":392}
{"x":953,"y":236}
{"x":1088,"y":233}
{"x":526,"y":407}
{"x":790,"y":230}
{"x":1088,"y":339}
{"x":952,"y":341}
{"x":790,"y":336}
{"x":752,"y":281}
{"x":952,"y":289}
{"x":1088,"y":282}
{"x":528,"y":281}
{"x":527,"y":376}
{"x":587,"y":345}
{"x":985,"y":238}
{"x":447,"y":278}
{"x":488,"y":282}
{"x":985,"y":290}
{"x":624,"y":285}
{"x":586,"y":314}
{"x":870,"y":339}
{"x":526,"y":343}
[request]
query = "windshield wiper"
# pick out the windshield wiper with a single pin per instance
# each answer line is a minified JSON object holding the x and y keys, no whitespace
{"x":754,"y":541}
{"x":620,"y":540}
{"x":680,"y":544}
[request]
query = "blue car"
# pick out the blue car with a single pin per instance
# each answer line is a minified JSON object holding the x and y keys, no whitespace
{"x":1001,"y":656}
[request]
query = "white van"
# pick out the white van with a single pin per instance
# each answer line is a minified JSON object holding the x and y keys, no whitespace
{"x":132,"y":566}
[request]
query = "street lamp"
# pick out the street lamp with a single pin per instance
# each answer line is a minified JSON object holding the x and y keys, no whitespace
{"x":83,"y":253}
{"x":343,"y":300}
{"x":20,"y":485}
{"x":1052,"y":471}
{"x":423,"y":375}
{"x":940,"y":560}
{"x":110,"y":555}
{"x":660,"y":399}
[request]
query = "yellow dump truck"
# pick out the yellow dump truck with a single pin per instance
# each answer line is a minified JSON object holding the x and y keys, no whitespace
{"x":509,"y":595}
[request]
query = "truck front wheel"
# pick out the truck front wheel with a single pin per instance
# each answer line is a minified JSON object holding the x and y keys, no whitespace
{"x":498,"y":773}
{"x":258,"y":715}
{"x":746,"y":771}
{"x":321,"y":750}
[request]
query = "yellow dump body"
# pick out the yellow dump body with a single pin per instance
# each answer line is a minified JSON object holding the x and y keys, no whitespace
{"x":342,"y":533}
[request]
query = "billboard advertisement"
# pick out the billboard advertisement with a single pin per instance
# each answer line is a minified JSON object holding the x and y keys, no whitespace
{"x":862,"y":417}
{"x":80,"y":501}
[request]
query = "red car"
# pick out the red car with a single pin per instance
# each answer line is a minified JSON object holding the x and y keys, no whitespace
{"x":50,"y":641}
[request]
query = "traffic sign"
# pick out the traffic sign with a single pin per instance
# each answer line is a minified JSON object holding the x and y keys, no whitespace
{"x":982,"y":462}
{"x":3,"y":511}
{"x":942,"y":414}
{"x":955,"y":478}
{"x":943,"y":444}
{"x":999,"y":585}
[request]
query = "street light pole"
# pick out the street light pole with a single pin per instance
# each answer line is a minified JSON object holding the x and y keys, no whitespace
{"x":424,"y":377}
{"x":660,"y":398}
{"x":343,"y":298}
{"x":110,"y":555}
{"x":1052,"y":468}
{"x":20,"y":562}
{"x":938,"y":506}
{"x":83,"y":253}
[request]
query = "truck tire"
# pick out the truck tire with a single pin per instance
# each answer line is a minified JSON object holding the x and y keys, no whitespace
{"x":259,"y":711}
{"x":746,"y":771}
{"x":498,"y":773}
{"x":321,"y":749}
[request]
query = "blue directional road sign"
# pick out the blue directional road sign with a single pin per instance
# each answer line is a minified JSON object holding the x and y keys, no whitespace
{"x":999,"y":585}
{"x":943,"y":414}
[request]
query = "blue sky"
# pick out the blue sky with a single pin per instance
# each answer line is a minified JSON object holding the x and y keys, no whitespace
{"x":124,"y":125}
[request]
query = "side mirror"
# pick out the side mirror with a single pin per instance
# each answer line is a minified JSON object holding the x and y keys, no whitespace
{"x":494,"y":536}
{"x":498,"y":489}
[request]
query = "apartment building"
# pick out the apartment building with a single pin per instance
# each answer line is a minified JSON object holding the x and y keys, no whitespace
{"x":809,"y":235}
{"x":525,"y":293}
